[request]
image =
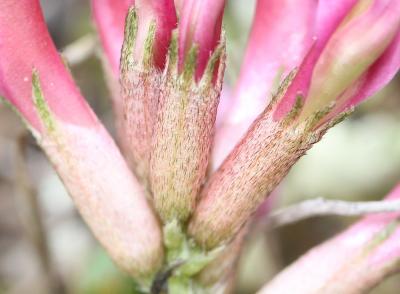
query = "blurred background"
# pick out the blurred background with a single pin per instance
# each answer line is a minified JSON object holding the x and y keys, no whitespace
{"x":45,"y":245}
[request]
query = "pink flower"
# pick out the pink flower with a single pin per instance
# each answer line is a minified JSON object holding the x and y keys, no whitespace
{"x":355,"y":261}
{"x":283,"y":32}
{"x":355,"y":52}
{"x":305,"y":65}
{"x":280,"y":37}
{"x":344,"y":55}
{"x":35,"y":81}
{"x":200,"y":25}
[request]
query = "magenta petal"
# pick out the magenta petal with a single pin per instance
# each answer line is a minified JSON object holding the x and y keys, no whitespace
{"x":110,"y":20}
{"x":329,"y":16}
{"x":109,"y":16}
{"x":200,"y":23}
{"x":380,"y":73}
{"x":280,"y":37}
{"x":164,"y":14}
{"x":350,"y":53}
{"x":25,"y":45}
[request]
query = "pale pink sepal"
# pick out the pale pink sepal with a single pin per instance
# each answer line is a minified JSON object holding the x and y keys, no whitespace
{"x":353,"y":262}
{"x":25,"y":45}
{"x":200,"y":24}
{"x":107,"y":195}
{"x":109,"y":17}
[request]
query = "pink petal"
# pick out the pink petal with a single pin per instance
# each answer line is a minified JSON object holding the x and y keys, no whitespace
{"x":164,"y":14}
{"x":280,"y":37}
{"x":109,"y":16}
{"x":350,"y":52}
{"x":329,"y":16}
{"x":178,"y":6}
{"x":380,"y":73}
{"x":25,"y":44}
{"x":102,"y":186}
{"x":200,"y":23}
{"x":353,"y":262}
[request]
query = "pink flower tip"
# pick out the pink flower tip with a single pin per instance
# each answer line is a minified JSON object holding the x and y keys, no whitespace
{"x":163,"y":14}
{"x":356,"y":53}
{"x":199,"y":25}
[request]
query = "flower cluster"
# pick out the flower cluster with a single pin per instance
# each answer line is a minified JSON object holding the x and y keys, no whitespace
{"x":182,"y":188}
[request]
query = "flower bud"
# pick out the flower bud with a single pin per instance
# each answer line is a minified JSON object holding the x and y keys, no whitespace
{"x":161,"y":14}
{"x":295,"y":119}
{"x":34,"y":80}
{"x":187,"y":109}
{"x":148,"y":31}
{"x":352,"y":49}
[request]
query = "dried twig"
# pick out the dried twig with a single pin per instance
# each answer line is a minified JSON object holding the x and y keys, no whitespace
{"x":80,"y":50}
{"x":321,"y":206}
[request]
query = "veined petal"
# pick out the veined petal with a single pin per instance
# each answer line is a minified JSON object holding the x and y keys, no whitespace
{"x":200,"y":24}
